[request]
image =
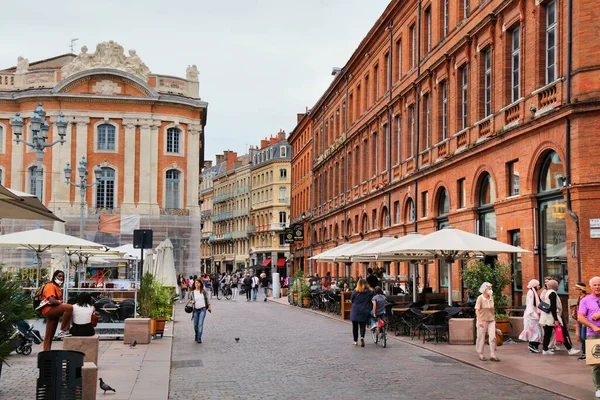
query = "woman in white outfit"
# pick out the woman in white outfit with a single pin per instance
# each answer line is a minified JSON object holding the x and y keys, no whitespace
{"x":532,"y":331}
{"x":486,"y":321}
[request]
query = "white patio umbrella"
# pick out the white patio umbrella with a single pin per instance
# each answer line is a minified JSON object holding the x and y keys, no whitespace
{"x":129,"y":252}
{"x":20,"y":205}
{"x":40,"y":240}
{"x":450,"y":244}
{"x":329,"y":255}
{"x":164,"y":264}
{"x":358,"y":248}
{"x":148,"y":262}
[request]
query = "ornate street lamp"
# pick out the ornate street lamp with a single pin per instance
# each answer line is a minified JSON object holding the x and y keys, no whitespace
{"x":82,"y":185}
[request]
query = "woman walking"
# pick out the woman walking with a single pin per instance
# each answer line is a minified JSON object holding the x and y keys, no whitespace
{"x":83,"y":312}
{"x":552,"y":319}
{"x":182,"y":283}
{"x":361,"y":310}
{"x":532,"y":332}
{"x":201,"y":305}
{"x":486,"y":321}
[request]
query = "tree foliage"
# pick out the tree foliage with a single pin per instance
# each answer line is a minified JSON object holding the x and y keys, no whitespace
{"x":499,"y":275}
{"x":14,"y":306}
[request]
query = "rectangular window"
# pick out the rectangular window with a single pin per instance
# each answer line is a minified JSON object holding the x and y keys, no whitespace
{"x":487,"y":82}
{"x":282,"y":193}
{"x":464,"y":92}
{"x":386,"y":138}
{"x":424,"y":203}
{"x":444,"y":95}
{"x":550,"y":42}
{"x":517,"y":271}
{"x":283,"y":173}
{"x":513,"y":178}
{"x":367,"y":90}
{"x":376,"y":82}
{"x":515,"y":64}
{"x":398,"y":139}
{"x":365,"y":166}
{"x":462,"y":194}
{"x":375,"y":140}
{"x":282,"y":217}
{"x":374,"y":218}
{"x":386,"y":71}
{"x":445,"y":19}
{"x":465,"y":9}
{"x":396,"y":212}
{"x":413,"y":47}
{"x":399,"y":58}
{"x":428,"y":30}
{"x":358,"y":101}
{"x":351,"y":108}
{"x":282,"y":239}
{"x":427,"y":121}
{"x":411,"y":114}
{"x":282,"y":151}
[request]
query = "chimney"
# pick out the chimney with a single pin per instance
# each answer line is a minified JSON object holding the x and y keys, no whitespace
{"x":231,"y":158}
{"x":208,"y":164}
{"x":237,"y":164}
{"x":300,"y":116}
{"x":281,"y":134}
{"x":264,"y":143}
{"x":220,"y":158}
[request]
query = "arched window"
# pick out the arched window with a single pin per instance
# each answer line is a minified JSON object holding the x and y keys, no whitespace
{"x":365,"y":224}
{"x":336,"y":232}
{"x":105,"y":192}
{"x":443,"y":203}
{"x":106,"y":137}
{"x":349,"y":228}
{"x":409,"y":213}
{"x":487,"y":215}
{"x":385,"y":218}
{"x":552,"y":221}
{"x":32,"y":183}
{"x":172,"y":189}
{"x":173,"y":140}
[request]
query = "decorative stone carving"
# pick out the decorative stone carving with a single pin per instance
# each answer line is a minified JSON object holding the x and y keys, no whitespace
{"x":191,"y":73}
{"x":106,"y":87}
{"x":108,"y":55}
{"x":22,"y":65}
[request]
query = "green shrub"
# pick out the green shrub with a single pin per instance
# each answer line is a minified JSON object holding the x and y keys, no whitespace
{"x":499,"y":275}
{"x":14,"y":306}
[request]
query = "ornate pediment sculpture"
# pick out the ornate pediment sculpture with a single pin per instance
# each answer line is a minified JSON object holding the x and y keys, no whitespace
{"x":108,"y":55}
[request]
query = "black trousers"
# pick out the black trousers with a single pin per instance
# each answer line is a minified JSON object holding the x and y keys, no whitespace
{"x":363,"y":328}
{"x":248,"y":292}
{"x":549,"y":330}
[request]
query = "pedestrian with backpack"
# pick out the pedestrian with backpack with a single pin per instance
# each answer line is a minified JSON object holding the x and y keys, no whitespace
{"x":234,"y":286}
{"x":52,"y":308}
{"x":248,"y":287}
{"x":255,"y":282}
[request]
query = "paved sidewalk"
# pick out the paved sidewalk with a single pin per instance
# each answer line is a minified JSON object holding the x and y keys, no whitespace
{"x":560,"y":373}
{"x":136,"y":374}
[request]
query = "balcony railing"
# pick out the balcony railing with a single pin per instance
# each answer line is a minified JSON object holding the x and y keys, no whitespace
{"x":206,"y":213}
{"x":221,"y":237}
{"x":251,"y":229}
{"x":285,"y":200}
{"x":222,"y":217}
{"x":239,"y":235}
{"x":241,"y":212}
{"x":242,"y":190}
{"x":278,"y":226}
{"x":222,"y":197}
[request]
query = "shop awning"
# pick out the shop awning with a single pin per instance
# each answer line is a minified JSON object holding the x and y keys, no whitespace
{"x":281,"y":263}
{"x":266,"y":263}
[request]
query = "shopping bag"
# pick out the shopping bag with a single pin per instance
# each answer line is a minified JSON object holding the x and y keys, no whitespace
{"x":560,"y":338}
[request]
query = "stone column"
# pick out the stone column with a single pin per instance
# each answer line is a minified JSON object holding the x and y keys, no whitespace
{"x":193,"y":169}
{"x":144,"y":168}
{"x":129,"y":167}
{"x":154,"y":170}
{"x":61,"y":155}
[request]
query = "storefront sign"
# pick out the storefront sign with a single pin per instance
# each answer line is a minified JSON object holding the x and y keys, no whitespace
{"x":595,"y":233}
{"x":298,"y":232}
{"x":288,"y":235}
{"x":594,"y":223}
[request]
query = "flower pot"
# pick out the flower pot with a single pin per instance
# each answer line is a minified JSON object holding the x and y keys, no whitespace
{"x":295,"y":297}
{"x":160,"y":326}
{"x":152,"y":327}
{"x":306,"y":302}
{"x":504,"y":325}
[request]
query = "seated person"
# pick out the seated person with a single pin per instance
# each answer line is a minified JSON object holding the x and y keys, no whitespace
{"x":378,"y":307}
{"x":52,"y":308}
{"x":82,"y":316}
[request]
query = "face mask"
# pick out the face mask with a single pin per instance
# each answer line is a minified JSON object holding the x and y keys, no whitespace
{"x":490,"y":292}
{"x":58,"y":282}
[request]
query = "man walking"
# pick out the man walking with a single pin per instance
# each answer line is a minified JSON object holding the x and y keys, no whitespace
{"x":234,"y":286}
{"x":264,"y":283}
{"x":248,"y":286}
{"x":589,"y":315}
{"x":254,"y":287}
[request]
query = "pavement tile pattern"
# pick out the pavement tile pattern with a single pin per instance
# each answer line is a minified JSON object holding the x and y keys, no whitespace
{"x":288,"y":353}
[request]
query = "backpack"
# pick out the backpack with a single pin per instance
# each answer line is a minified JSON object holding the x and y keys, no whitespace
{"x":37,"y":297}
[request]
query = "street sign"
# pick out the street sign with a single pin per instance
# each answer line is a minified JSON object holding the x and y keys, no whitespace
{"x":288,"y":235}
{"x":595,"y":233}
{"x":594,"y":222}
{"x":298,"y":232}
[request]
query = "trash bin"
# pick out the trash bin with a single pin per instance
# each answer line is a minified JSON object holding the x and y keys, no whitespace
{"x":60,"y":375}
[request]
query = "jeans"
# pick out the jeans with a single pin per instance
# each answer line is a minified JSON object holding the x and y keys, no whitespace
{"x":254,"y":293}
{"x":363,"y":327}
{"x":264,"y":290}
{"x":234,"y":292}
{"x":582,"y":336}
{"x":183,"y":292}
{"x":199,"y":316}
{"x":248,"y":293}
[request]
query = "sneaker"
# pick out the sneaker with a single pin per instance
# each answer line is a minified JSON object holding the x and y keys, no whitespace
{"x":534,"y":349}
{"x":62,"y":334}
{"x":556,"y":348}
{"x":572,"y":352}
{"x":598,"y":394}
{"x":581,"y":358}
{"x":544,"y":352}
{"x":355,"y":343}
{"x":362,"y":342}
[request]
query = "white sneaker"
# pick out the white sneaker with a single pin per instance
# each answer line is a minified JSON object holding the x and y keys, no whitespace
{"x":556,"y":348}
{"x":544,"y":352}
{"x":598,"y":394}
{"x":355,"y":343}
{"x":572,"y":352}
{"x":62,"y":334}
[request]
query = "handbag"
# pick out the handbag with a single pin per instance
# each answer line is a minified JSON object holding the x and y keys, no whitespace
{"x":560,"y":337}
{"x":189,"y":307}
{"x":545,"y":307}
{"x":95,"y":319}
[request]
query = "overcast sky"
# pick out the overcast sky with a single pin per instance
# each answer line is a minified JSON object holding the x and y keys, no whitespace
{"x":260,"y":61}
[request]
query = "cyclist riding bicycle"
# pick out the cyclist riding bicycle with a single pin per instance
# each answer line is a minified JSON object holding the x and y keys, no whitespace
{"x":378,"y":307}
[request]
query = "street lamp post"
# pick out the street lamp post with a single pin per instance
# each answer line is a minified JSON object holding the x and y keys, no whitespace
{"x":39,"y":129}
{"x":82,"y":185}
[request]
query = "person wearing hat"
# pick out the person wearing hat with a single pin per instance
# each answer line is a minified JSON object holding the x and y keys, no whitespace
{"x":486,"y":321}
{"x":581,"y":290}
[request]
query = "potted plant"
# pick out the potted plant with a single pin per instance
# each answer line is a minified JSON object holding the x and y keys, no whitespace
{"x":298,"y":279}
{"x":162,"y":307}
{"x":499,"y":275}
{"x":14,"y":306}
{"x":305,"y":293}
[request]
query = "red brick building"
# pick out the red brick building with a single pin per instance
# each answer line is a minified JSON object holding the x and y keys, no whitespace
{"x":468,"y":113}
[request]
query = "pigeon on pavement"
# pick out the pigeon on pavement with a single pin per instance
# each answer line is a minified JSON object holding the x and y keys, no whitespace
{"x":105,"y":387}
{"x":237,"y":339}
{"x":132,"y":345}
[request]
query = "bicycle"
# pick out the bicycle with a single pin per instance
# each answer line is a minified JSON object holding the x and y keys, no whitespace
{"x":379,"y":334}
{"x":225,"y":291}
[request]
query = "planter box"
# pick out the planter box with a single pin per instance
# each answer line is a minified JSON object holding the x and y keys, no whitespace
{"x":88,"y":345}
{"x":516,"y":327}
{"x":461,"y":331}
{"x":137,"y":329}
{"x":284,"y":292}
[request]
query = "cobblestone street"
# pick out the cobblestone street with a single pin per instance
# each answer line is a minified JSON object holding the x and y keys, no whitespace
{"x":288,"y":353}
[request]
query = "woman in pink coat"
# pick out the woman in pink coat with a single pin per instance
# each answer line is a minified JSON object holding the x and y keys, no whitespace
{"x":532,"y":331}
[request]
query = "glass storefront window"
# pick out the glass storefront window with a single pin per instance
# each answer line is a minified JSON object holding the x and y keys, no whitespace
{"x":515,"y":239}
{"x":487,"y":215}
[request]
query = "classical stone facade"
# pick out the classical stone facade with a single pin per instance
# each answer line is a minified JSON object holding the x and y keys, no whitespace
{"x":145,"y":130}
{"x":473,"y":114}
